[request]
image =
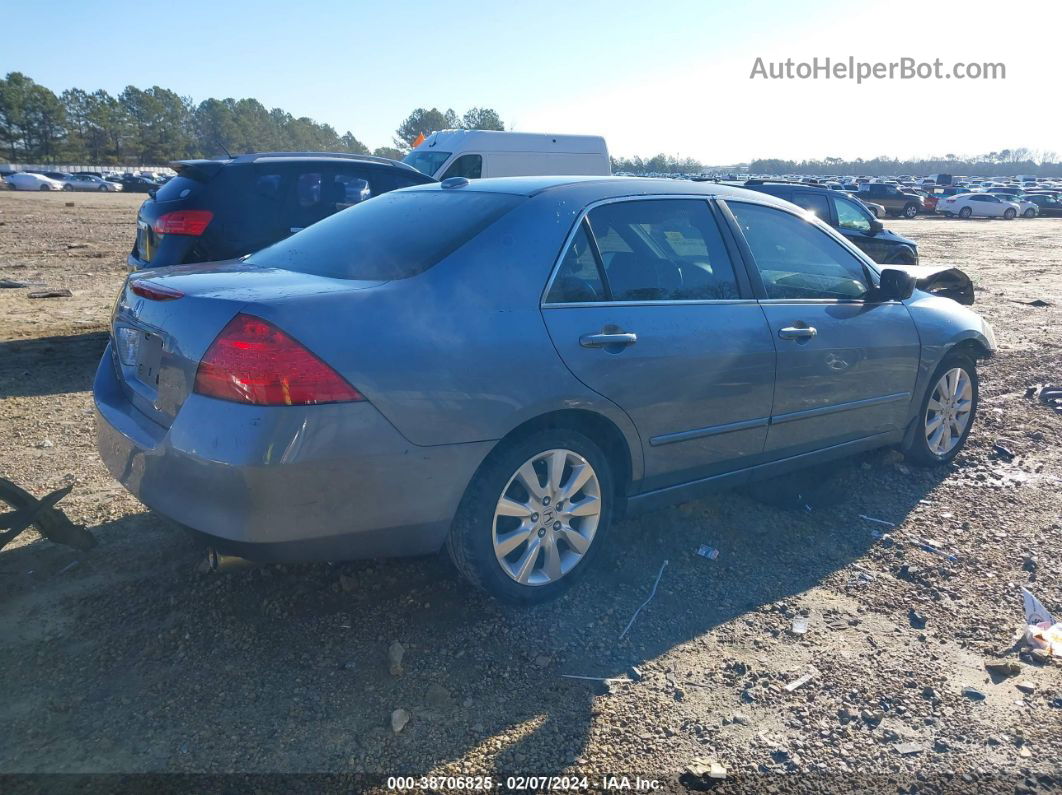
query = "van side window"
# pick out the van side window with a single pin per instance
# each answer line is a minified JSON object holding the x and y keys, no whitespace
{"x":468,"y":166}
{"x":813,"y":202}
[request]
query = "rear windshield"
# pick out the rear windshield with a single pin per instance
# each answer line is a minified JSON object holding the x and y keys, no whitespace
{"x":177,"y":188}
{"x":394,"y":236}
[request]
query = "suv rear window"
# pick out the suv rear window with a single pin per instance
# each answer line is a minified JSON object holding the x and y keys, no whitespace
{"x":176,"y":188}
{"x":394,"y":236}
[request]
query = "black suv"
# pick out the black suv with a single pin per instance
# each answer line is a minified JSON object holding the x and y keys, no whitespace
{"x":221,"y":209}
{"x":849,"y":217}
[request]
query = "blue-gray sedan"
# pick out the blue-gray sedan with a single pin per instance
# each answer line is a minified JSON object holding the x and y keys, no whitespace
{"x":505,"y":367}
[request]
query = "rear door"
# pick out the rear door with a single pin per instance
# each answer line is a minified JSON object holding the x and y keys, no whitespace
{"x":846,"y":365}
{"x":647,"y":308}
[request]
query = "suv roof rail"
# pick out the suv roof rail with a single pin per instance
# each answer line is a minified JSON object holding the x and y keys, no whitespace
{"x":250,"y":157}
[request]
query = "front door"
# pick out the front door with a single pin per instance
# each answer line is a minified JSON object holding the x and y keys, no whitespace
{"x":846,"y":365}
{"x":648,"y":310}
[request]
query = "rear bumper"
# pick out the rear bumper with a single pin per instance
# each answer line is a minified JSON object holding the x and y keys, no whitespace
{"x":286,"y":483}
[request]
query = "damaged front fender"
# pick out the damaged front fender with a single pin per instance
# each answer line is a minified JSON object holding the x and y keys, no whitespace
{"x":941,"y":280}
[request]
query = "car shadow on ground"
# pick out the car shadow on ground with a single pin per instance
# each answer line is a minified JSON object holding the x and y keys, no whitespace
{"x":153,"y":666}
{"x":50,"y":365}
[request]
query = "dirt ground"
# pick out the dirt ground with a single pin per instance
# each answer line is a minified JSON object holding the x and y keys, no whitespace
{"x":127,"y":659}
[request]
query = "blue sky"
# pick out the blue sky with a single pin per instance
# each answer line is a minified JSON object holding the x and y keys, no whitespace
{"x":670,"y":75}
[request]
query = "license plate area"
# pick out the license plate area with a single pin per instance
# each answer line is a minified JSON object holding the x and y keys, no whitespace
{"x":148,"y":358}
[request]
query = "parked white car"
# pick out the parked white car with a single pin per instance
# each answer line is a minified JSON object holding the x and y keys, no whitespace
{"x":88,"y":182}
{"x":1026,"y":208}
{"x":25,"y":181}
{"x":979,"y":205}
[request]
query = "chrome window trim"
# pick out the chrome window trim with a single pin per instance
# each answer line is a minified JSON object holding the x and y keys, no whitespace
{"x":702,"y":197}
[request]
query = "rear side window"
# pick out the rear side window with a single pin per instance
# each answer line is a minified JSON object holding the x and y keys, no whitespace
{"x":394,"y":236}
{"x":813,"y":202}
{"x":578,"y":278}
{"x":662,"y":250}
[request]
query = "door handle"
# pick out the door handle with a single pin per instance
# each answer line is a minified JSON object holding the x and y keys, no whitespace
{"x":605,"y":340}
{"x":797,"y":332}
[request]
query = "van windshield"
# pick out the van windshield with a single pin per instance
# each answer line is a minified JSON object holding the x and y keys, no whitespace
{"x":426,"y":162}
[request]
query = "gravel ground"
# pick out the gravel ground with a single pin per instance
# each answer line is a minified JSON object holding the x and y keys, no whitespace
{"x":134,"y":661}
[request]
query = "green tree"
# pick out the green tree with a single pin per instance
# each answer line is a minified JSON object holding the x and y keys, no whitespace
{"x":482,"y":119}
{"x":423,"y":122}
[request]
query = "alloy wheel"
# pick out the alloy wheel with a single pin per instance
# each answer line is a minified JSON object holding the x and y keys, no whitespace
{"x":949,"y":411}
{"x":546,"y":517}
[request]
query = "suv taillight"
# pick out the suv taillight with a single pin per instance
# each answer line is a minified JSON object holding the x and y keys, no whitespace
{"x":252,"y":361}
{"x":183,"y":222}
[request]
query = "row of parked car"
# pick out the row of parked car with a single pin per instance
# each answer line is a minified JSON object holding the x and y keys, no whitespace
{"x":1026,"y":197}
{"x":139,"y":182}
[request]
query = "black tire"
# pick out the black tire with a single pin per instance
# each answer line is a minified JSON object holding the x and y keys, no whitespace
{"x":1030,"y":213}
{"x":102,"y":189}
{"x":910,"y":210}
{"x":1010,"y":213}
{"x":43,"y":187}
{"x":917,"y":448}
{"x":67,"y":187}
{"x":470,"y":542}
{"x":965,"y":212}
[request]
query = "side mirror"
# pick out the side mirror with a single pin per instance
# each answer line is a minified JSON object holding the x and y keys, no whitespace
{"x":895,"y":285}
{"x":876,"y":226}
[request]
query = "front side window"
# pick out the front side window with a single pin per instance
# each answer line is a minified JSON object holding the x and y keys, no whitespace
{"x":797,"y":260}
{"x":849,"y":216}
{"x":467,"y":166}
{"x":662,"y":250}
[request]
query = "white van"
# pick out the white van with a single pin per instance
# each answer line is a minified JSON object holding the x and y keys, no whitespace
{"x":490,"y":153}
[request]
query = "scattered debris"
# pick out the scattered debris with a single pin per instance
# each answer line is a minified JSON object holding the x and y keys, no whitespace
{"x":706,"y":551}
{"x":58,"y":293}
{"x":1039,"y":303}
{"x":906,"y":749}
{"x":973,"y":693}
{"x":1003,"y":452}
{"x":647,"y":601}
{"x":399,"y":719}
{"x":1042,"y":632}
{"x":1026,"y":686}
{"x":701,"y":772}
{"x":1046,"y":393}
{"x":394,"y":657}
{"x":12,"y":284}
{"x":71,"y":565}
{"x":918,"y":620}
{"x":876,"y":521}
{"x":800,"y":626}
{"x":798,"y":682}
{"x":1003,"y":669}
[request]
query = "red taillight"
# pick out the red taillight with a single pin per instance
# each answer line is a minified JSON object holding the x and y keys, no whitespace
{"x":183,"y":222}
{"x":156,"y":292}
{"x":252,"y":361}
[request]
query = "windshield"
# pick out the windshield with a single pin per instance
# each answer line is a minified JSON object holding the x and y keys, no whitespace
{"x":426,"y":162}
{"x":394,"y":236}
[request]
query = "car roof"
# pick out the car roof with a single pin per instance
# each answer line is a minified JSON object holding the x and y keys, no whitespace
{"x":586,"y":189}
{"x":275,"y":157}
